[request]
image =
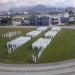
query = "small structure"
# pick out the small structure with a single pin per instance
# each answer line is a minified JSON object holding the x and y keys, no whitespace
{"x":16,"y":22}
{"x":10,"y":34}
{"x":51,"y":34}
{"x":12,"y":45}
{"x":38,"y":47}
{"x":33,"y":33}
{"x":42,"y":28}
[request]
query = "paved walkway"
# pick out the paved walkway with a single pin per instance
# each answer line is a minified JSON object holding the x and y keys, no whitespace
{"x":69,"y":27}
{"x":60,"y":68}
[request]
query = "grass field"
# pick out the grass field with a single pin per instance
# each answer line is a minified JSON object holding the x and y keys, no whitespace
{"x":3,"y":41}
{"x":61,"y":48}
{"x":20,"y":55}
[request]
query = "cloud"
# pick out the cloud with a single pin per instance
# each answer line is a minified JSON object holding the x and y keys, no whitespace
{"x":4,"y":1}
{"x":4,"y":4}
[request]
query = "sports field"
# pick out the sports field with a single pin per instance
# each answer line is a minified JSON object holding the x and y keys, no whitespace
{"x":61,"y":48}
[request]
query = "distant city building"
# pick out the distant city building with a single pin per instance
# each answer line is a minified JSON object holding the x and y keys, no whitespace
{"x":65,"y":14}
{"x":40,"y":19}
{"x":16,"y":22}
{"x":64,"y":20}
{"x":25,"y":21}
{"x":34,"y":20}
{"x":71,"y":19}
{"x":43,"y":21}
{"x":56,"y":21}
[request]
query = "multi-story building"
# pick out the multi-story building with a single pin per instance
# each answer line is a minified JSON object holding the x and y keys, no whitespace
{"x":43,"y":19}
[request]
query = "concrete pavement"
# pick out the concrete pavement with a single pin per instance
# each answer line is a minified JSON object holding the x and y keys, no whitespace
{"x":69,"y":27}
{"x":59,"y":68}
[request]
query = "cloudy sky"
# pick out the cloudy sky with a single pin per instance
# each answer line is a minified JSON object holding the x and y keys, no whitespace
{"x":6,"y":4}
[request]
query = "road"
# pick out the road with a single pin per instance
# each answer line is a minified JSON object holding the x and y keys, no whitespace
{"x":69,"y":27}
{"x":59,"y":68}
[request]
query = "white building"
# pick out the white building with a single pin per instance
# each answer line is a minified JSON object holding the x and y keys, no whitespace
{"x":66,"y":14}
{"x":71,"y":19}
{"x":16,"y":23}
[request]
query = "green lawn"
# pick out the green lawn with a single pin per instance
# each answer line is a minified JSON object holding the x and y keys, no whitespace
{"x":3,"y":41}
{"x":61,"y":48}
{"x":20,"y":55}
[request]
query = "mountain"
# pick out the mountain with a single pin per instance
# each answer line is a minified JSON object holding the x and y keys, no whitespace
{"x":46,"y":9}
{"x":39,"y":9}
{"x":19,"y":9}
